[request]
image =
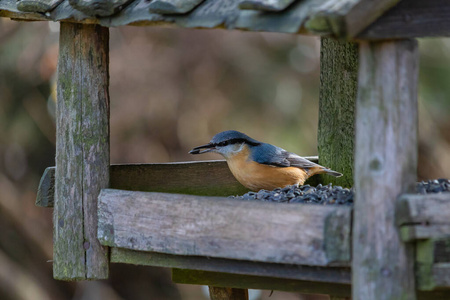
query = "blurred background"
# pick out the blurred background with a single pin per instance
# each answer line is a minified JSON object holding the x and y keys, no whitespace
{"x":170,"y":90}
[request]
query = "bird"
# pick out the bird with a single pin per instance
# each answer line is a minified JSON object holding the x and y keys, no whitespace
{"x":257,"y":165}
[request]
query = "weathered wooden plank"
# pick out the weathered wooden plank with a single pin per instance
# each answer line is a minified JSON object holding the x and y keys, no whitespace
{"x":218,"y":227}
{"x":210,"y":14}
{"x":46,"y":190}
{"x":338,"y":86}
{"x":338,"y":238}
{"x":204,"y":178}
{"x":41,"y":6}
{"x":258,"y":282}
{"x":99,"y":8}
{"x":8,"y":9}
{"x":82,"y":151}
{"x":411,"y":18}
{"x":433,"y":264}
{"x":64,"y":12}
{"x":441,"y":253}
{"x":307,"y":287}
{"x":226,"y":293}
{"x":385,"y":167}
{"x":423,"y":209}
{"x":432,"y":277}
{"x":433,"y":251}
{"x":289,"y":21}
{"x":411,"y":233}
{"x":173,"y":6}
{"x":346,"y":18}
{"x":265,"y":5}
{"x":208,"y":178}
{"x":340,"y":275}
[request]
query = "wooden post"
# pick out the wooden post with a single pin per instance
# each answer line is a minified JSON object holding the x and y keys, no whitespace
{"x":221,"y":293}
{"x":385,"y":167}
{"x":338,"y":86}
{"x":82,"y":151}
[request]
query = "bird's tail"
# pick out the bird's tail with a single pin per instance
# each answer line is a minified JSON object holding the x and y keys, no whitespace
{"x":332,"y":173}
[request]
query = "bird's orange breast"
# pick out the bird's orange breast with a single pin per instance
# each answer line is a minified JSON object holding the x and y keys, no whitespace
{"x":256,"y":176}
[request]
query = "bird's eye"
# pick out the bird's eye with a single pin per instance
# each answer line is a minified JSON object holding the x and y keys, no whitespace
{"x":223,"y":143}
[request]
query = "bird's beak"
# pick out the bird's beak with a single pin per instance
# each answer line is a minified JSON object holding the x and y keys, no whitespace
{"x":203,"y":149}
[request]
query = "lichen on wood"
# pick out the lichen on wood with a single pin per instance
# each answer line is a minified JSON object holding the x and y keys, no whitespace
{"x":338,"y":86}
{"x":82,"y":151}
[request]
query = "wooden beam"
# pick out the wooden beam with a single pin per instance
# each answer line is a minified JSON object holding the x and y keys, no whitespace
{"x":226,"y":293}
{"x":45,"y":196}
{"x":409,"y":19}
{"x":432,"y":277}
{"x":385,"y":167}
{"x":173,"y":6}
{"x":258,"y":282}
{"x":423,"y":216}
{"x":340,"y":275}
{"x":99,"y":8}
{"x":204,"y":178}
{"x":265,"y":5}
{"x":346,"y":18}
{"x":433,"y":264}
{"x":424,"y":231}
{"x":225,"y":228}
{"x":338,"y":86}
{"x":431,"y":209}
{"x":82,"y":151}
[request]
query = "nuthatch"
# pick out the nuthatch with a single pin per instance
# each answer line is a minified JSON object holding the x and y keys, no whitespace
{"x":258,"y":165}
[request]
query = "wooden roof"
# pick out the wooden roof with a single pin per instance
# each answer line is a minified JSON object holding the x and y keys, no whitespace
{"x":345,"y":18}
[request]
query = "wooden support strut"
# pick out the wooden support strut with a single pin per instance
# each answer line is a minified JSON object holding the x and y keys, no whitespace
{"x":385,"y":167}
{"x":82,"y":151}
{"x":338,"y":86}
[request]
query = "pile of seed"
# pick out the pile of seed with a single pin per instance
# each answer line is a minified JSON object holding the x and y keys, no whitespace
{"x":329,"y":194}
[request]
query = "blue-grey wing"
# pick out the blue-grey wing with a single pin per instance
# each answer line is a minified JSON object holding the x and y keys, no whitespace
{"x":300,"y":162}
{"x":275,"y":156}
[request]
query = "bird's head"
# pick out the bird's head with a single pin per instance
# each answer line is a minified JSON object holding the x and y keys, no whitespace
{"x":226,"y":143}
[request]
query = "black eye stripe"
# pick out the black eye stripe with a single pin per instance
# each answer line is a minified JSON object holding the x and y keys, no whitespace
{"x":235,"y":141}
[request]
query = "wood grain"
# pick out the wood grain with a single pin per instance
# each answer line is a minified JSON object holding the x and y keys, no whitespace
{"x":218,"y":227}
{"x":385,"y":167}
{"x":291,"y":20}
{"x":432,"y":277}
{"x":409,"y":19}
{"x":429,"y":209}
{"x":226,"y":293}
{"x":325,"y":275}
{"x":423,"y":216}
{"x":82,"y":151}
{"x":345,"y":19}
{"x":204,"y":178}
{"x":41,"y":6}
{"x":99,"y":8}
{"x":337,"y":98}
{"x":433,"y":264}
{"x":265,"y":5}
{"x":424,"y":231}
{"x":46,"y":191}
{"x":258,"y":282}
{"x":173,"y":6}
